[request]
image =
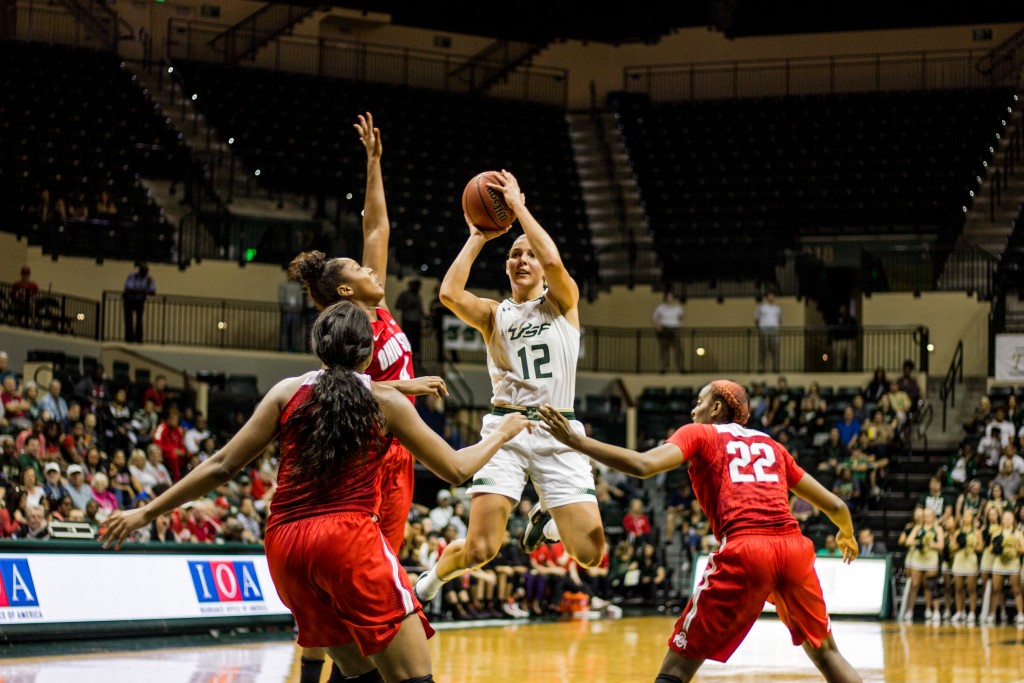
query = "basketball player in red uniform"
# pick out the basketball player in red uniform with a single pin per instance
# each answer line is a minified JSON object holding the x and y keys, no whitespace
{"x":331,"y":423}
{"x":742,"y":479}
{"x":329,"y":281}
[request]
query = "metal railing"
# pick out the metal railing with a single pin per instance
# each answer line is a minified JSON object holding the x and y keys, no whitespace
{"x":926,"y":267}
{"x":227,"y":323}
{"x":37,"y":21}
{"x":1014,"y":322}
{"x":246,"y":37}
{"x":807,"y":349}
{"x":1004,"y":61}
{"x":196,"y":321}
{"x":955,"y":373}
{"x":190,"y":40}
{"x":808,"y":75}
{"x":48,"y":311}
{"x":1005,"y":171}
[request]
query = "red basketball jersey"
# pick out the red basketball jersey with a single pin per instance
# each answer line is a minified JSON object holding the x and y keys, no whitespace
{"x":355,"y":489}
{"x":741,"y":478}
{"x":392,"y":353}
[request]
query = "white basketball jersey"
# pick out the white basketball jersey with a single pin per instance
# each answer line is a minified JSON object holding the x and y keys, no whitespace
{"x":532,"y":355}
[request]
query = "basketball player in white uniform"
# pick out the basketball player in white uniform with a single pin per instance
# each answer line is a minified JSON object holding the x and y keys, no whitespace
{"x":533,"y":343}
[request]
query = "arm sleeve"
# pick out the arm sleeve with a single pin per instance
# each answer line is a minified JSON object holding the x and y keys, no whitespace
{"x":690,"y":439}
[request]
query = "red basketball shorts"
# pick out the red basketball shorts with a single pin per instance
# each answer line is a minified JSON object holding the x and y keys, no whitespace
{"x":396,"y":484}
{"x":745,"y":572}
{"x":341,"y":580}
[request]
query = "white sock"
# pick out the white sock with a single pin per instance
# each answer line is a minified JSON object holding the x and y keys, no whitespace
{"x":428,"y":584}
{"x":551,"y":531}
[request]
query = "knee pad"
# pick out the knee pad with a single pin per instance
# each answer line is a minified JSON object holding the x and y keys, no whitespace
{"x":666,"y":678}
{"x":429,"y":678}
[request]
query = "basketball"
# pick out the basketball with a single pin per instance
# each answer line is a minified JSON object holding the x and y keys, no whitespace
{"x":484,"y":205}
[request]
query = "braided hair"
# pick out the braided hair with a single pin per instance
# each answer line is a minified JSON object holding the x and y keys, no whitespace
{"x":733,"y":398}
{"x":319,"y":275}
{"x":341,"y":421}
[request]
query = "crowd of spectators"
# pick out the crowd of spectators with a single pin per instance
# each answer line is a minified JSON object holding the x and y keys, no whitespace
{"x":547,"y":581}
{"x":967,"y":530}
{"x":77,"y":454}
{"x":655,"y":528}
{"x":58,"y":208}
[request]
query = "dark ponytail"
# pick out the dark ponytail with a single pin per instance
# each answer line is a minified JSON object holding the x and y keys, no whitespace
{"x":342,"y":420}
{"x":319,"y":275}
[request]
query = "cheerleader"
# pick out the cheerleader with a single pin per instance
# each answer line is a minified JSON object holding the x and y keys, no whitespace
{"x":989,"y":528}
{"x":965,"y":544}
{"x":1006,"y":548}
{"x":949,"y":528}
{"x":924,"y":542}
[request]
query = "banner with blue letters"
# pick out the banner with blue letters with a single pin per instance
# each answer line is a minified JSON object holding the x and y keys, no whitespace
{"x":44,"y":588}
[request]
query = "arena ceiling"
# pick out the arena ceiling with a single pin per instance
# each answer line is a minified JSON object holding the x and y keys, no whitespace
{"x":544,"y":21}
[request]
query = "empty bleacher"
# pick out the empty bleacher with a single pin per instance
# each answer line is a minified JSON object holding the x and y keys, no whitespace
{"x":743,"y":179}
{"x":74,"y":121}
{"x":297,"y":131}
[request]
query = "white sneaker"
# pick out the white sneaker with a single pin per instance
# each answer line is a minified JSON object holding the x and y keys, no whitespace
{"x":514,"y":611}
{"x":426,"y":587}
{"x":957,"y":618}
{"x":927,"y":615}
{"x":970,"y":618}
{"x":936,"y":617}
{"x":1019,"y":621}
{"x":598,"y":603}
{"x":946,"y":616}
{"x":907,"y":617}
{"x":989,"y":620}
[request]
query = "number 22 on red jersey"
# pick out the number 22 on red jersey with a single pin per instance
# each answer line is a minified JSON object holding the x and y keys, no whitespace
{"x":745,"y":457}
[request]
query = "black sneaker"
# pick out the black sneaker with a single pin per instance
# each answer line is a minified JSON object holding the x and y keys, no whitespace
{"x":533,"y":535}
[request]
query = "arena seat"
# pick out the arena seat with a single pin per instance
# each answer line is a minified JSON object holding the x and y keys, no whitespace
{"x":74,"y":121}
{"x":744,"y":179}
{"x":297,"y":130}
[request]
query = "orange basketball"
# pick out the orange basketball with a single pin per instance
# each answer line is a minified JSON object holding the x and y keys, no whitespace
{"x":484,"y":205}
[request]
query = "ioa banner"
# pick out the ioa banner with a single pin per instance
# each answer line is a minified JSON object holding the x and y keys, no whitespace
{"x":39,"y":588}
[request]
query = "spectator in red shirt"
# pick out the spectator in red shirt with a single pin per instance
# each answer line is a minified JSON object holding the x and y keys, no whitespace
{"x":170,"y":437}
{"x":23,"y":292}
{"x":186,"y":526}
{"x":157,"y":393}
{"x":548,"y":568}
{"x":15,"y":407}
{"x":636,"y":523}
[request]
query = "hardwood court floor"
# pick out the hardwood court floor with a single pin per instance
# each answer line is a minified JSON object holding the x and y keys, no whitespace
{"x":624,"y":651}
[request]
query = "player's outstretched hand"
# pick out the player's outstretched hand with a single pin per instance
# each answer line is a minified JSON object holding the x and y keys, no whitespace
{"x":559,"y":427}
{"x":369,"y":136}
{"x":120,"y":525}
{"x":486,"y":234}
{"x":508,"y":186}
{"x":425,"y":386}
{"x":512,"y":424}
{"x":848,"y":546}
